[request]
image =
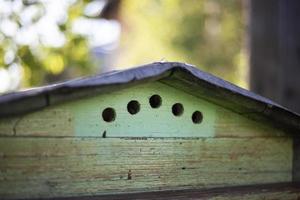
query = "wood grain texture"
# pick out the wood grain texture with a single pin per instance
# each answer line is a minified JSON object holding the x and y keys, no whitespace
{"x":281,"y":191}
{"x":82,"y":118}
{"x":60,"y":167}
{"x":62,"y":151}
{"x":48,"y":122}
{"x":230,"y":124}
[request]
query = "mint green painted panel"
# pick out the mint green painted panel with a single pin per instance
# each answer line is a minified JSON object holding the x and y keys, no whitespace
{"x":148,"y":122}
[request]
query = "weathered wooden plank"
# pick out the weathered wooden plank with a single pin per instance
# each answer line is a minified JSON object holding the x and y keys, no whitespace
{"x":90,"y":166}
{"x":54,"y":121}
{"x":83,"y":118}
{"x":230,"y":124}
{"x":281,"y":191}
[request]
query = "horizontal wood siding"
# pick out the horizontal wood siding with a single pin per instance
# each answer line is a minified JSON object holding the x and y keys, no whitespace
{"x":53,"y":167}
{"x":69,"y":150}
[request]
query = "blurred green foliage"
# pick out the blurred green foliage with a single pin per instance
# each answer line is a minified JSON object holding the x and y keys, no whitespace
{"x":38,"y":60}
{"x":206,"y":33}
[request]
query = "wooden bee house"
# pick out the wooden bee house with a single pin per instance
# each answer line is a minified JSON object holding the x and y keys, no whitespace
{"x":160,"y":131}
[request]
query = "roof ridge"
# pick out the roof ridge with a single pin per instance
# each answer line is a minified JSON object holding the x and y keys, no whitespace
{"x":149,"y":72}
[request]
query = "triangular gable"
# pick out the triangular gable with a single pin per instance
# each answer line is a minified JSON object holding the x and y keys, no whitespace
{"x":182,"y":76}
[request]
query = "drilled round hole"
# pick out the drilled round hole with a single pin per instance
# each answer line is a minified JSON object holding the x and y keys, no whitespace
{"x":133,"y":107}
{"x":197,"y":117}
{"x":177,"y":109}
{"x":109,"y":114}
{"x":155,"y":101}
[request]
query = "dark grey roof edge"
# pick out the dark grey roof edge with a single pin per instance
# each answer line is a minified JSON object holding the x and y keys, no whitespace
{"x":153,"y":70}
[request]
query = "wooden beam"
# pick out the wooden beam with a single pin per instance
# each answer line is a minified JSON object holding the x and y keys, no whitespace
{"x":283,"y":191}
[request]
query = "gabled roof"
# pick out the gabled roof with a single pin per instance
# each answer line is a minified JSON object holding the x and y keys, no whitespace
{"x":178,"y":75}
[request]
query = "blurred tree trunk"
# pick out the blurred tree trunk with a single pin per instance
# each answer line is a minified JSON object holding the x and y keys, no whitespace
{"x":274,"y":41}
